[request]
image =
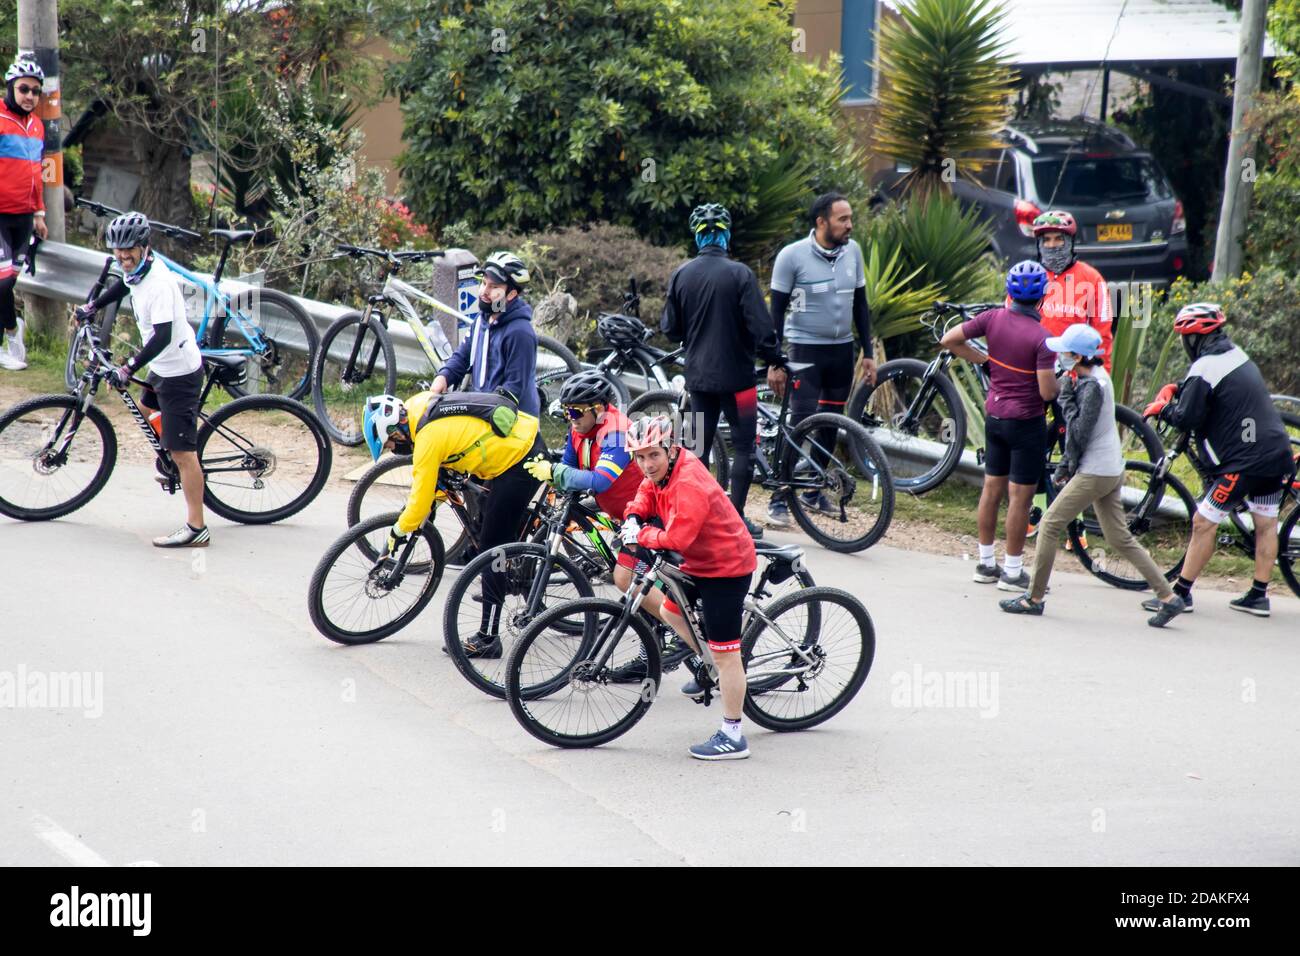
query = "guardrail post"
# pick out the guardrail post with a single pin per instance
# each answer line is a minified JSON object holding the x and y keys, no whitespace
{"x":455,"y":284}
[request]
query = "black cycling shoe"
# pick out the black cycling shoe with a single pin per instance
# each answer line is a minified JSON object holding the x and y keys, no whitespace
{"x":482,"y":646}
{"x":1257,"y":606}
{"x":755,"y":531}
{"x":632,"y":672}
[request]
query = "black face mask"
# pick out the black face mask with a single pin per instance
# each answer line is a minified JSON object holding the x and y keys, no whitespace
{"x":485,"y":307}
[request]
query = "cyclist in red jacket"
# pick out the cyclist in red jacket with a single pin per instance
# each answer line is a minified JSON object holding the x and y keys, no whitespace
{"x":22,"y":194}
{"x":1076,"y":292}
{"x":700,"y":523}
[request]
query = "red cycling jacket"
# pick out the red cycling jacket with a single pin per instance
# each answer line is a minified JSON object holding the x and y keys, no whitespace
{"x":699,"y":522}
{"x":1079,"y":294}
{"x":22,"y":139}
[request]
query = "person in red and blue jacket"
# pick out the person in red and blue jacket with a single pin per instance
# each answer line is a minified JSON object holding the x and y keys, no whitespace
{"x":22,"y":193}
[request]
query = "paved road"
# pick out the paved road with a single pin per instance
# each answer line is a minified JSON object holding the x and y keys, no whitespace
{"x":229,"y":732}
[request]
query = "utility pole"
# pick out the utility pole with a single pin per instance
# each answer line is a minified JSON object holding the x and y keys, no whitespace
{"x":1239,"y":176}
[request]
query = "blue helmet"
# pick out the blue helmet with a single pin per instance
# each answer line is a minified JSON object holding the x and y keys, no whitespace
{"x":1027,"y":281}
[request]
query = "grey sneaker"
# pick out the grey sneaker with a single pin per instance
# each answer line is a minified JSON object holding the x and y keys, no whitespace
{"x":1018,"y":583}
{"x":1155,"y":604}
{"x":987,"y":573}
{"x":721,"y":747}
{"x":1166,"y":611}
{"x":184,"y":537}
{"x":818,"y":501}
{"x":778,"y":513}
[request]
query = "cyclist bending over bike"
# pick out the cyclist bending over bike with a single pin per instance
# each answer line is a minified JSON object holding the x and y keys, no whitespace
{"x":1021,"y":379}
{"x":1225,"y":405}
{"x":172,"y":354}
{"x":482,"y":434}
{"x":700,"y":523}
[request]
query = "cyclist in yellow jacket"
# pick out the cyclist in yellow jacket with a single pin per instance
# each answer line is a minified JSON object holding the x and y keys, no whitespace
{"x":483,"y":434}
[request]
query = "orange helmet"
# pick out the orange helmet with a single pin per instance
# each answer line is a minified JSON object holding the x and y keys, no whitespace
{"x":1199,"y":318}
{"x":653,"y":431}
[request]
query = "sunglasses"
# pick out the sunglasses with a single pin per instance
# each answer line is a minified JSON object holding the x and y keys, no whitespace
{"x":577,"y":411}
{"x":28,"y":90}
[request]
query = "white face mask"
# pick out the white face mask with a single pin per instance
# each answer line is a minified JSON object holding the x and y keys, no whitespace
{"x":1063,"y":364}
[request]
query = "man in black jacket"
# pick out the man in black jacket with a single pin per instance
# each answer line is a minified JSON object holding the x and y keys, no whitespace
{"x":715,"y":307}
{"x":1225,"y":405}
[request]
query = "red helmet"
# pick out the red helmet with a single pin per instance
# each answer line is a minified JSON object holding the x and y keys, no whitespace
{"x":654,"y":431}
{"x":1054,"y":220}
{"x":1199,"y":318}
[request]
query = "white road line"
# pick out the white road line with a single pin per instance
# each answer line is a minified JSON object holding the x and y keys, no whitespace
{"x":65,"y":844}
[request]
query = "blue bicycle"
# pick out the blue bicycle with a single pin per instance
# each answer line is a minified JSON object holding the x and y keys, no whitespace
{"x":266,"y":327}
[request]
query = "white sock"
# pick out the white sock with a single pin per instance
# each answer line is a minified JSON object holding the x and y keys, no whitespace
{"x":986,"y":554}
{"x":732,"y":729}
{"x":1012,"y":564}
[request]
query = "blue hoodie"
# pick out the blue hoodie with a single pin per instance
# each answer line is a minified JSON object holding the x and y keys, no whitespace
{"x":510,"y":361}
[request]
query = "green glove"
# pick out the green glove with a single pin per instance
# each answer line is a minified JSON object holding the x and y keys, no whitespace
{"x":559,"y":476}
{"x":539,"y":467}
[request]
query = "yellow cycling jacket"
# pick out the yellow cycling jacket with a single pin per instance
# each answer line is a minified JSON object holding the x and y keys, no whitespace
{"x":461,"y":443}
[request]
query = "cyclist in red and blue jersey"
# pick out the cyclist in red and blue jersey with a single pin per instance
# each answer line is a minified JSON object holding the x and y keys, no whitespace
{"x":22,"y":194}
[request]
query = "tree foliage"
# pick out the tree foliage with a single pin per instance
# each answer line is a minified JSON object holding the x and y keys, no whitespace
{"x":530,"y":114}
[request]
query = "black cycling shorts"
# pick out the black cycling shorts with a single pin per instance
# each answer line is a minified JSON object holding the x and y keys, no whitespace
{"x":825,"y":387}
{"x":722,"y":606}
{"x":1015,"y":447}
{"x":178,"y":400}
{"x":1262,"y":494}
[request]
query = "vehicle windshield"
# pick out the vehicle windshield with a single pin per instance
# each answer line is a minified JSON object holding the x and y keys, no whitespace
{"x":1093,"y":181}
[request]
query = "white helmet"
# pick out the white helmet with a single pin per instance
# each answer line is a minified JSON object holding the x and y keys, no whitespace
{"x":382,"y":415}
{"x":508,"y":268}
{"x":24,"y":66}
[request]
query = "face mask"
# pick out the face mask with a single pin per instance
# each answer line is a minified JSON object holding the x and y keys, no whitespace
{"x":1057,"y":260}
{"x":1063,"y":364}
{"x":486,"y":306}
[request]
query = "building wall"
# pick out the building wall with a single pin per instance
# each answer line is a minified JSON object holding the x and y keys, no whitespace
{"x":381,"y":123}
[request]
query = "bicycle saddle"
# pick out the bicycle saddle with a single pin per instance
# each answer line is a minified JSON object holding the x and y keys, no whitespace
{"x":233,"y":235}
{"x":778,"y":552}
{"x":231,"y":363}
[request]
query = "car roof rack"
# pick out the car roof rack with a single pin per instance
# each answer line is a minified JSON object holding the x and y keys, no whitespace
{"x":1061,"y":135}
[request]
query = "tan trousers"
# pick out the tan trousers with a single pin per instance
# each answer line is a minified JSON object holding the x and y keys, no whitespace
{"x":1102,"y":492}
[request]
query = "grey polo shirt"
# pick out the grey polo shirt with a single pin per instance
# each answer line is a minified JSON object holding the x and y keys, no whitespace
{"x":821,"y":291}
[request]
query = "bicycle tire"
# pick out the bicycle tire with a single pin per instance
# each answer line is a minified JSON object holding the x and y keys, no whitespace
{"x":267,"y":430}
{"x":339,"y":549}
{"x":15,"y":447}
{"x":767,"y":690}
{"x":78,"y":354}
{"x":1126,"y":417}
{"x":865,"y":456}
{"x":346,"y":430}
{"x":949,"y":430}
{"x":1085,"y":550}
{"x":295,"y":384}
{"x":489,"y":678}
{"x":361,"y":506}
{"x":663,"y":401}
{"x":522,"y":697}
{"x":1288,"y":550}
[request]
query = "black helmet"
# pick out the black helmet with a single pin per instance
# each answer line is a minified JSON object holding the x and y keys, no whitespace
{"x":586,"y":388}
{"x":621,"y":331}
{"x":128,"y":230}
{"x":711,"y":215}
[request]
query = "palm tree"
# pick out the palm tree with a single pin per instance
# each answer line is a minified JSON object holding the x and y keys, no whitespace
{"x":945,"y":87}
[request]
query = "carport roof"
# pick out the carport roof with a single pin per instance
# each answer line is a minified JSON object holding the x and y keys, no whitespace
{"x":1070,"y":32}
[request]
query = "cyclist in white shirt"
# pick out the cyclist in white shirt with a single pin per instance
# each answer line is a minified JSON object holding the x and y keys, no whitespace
{"x":175,"y":364}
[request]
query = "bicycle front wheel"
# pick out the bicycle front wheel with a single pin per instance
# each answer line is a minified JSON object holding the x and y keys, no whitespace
{"x":842,"y":491}
{"x":264,"y":458}
{"x":356,"y":360}
{"x":808,"y":659}
{"x":282,"y":340}
{"x":571,"y":702}
{"x":79,"y":353}
{"x":1158,"y":515}
{"x":52,"y":459}
{"x":920,"y":423}
{"x":353,"y":600}
{"x":1288,"y":549}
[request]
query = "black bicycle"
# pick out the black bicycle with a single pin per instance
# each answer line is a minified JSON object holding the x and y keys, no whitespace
{"x":806,"y":655}
{"x":916,"y":412}
{"x":628,"y":352}
{"x":836,"y":478}
{"x":264,"y":457}
{"x":569,"y":555}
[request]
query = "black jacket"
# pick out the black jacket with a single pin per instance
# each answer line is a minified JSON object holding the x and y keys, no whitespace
{"x":1225,"y":404}
{"x":714,"y":307}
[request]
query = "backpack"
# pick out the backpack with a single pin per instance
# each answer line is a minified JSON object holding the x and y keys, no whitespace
{"x":498,"y":409}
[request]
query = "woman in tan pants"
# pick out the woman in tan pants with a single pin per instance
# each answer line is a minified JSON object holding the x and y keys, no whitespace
{"x":1092,"y":471}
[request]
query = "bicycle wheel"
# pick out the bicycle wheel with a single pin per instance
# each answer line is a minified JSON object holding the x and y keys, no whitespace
{"x":283,"y":340}
{"x":352,"y":600}
{"x":802,"y":673}
{"x":918,"y":422}
{"x":1138,"y":440}
{"x":385,"y":487}
{"x":663,"y":401}
{"x":518,"y":565}
{"x":1288,"y":549}
{"x":857,"y":485}
{"x":264,"y":458}
{"x":1159,"y":516}
{"x":53,"y":460}
{"x":356,"y":360}
{"x":568,"y":702}
{"x":79,"y":352}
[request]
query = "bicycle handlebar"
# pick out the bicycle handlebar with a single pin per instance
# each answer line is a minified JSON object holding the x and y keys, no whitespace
{"x":166,"y":228}
{"x":409,"y":255}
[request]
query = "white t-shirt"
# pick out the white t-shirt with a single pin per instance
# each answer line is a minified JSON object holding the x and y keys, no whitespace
{"x":156,"y":300}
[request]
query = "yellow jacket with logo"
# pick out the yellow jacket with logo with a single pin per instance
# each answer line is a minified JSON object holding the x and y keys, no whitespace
{"x":462,"y":443}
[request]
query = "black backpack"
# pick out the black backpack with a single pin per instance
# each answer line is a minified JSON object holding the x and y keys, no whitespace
{"x":499,"y":409}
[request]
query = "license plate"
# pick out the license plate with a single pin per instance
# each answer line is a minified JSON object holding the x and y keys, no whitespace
{"x":1115,"y":232}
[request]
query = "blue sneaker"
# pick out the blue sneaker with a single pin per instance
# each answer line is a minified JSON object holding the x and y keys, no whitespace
{"x":778,"y":513}
{"x":721,"y":747}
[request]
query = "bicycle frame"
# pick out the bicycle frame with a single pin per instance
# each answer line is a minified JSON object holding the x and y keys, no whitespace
{"x":400,"y":293}
{"x":218,"y":302}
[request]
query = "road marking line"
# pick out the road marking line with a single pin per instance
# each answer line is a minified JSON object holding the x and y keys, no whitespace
{"x":65,"y":844}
